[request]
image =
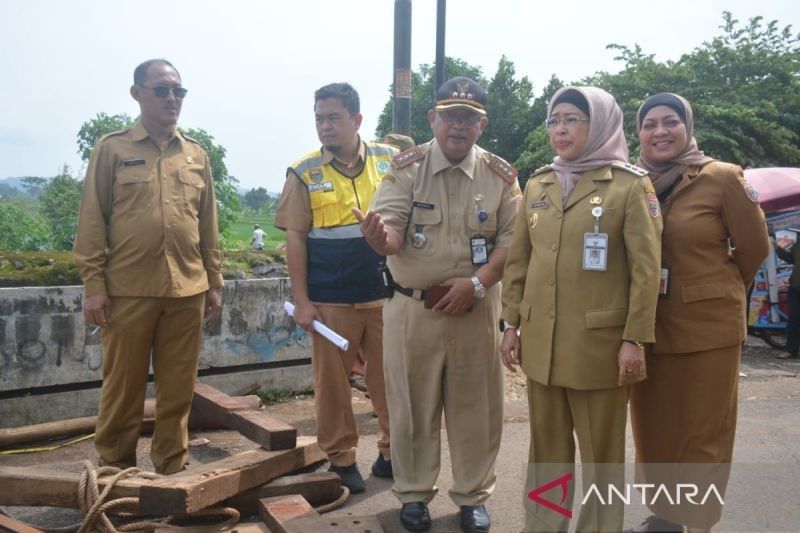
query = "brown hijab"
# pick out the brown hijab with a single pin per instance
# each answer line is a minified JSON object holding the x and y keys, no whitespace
{"x":606,"y":143}
{"x":663,"y":175}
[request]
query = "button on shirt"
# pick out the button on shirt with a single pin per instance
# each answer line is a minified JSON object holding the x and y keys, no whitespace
{"x":148,"y":224}
{"x":442,"y":201}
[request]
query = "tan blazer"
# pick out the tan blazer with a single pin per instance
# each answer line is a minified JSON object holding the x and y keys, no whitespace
{"x":705,"y":306}
{"x":572,"y":321}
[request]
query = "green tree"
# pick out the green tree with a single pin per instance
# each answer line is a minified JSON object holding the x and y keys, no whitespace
{"x":744,"y":87}
{"x":59,"y":204}
{"x":94,"y":128}
{"x":34,"y":185}
{"x":422,"y":97}
{"x":20,"y":229}
{"x":537,"y":152}
{"x":256,"y":199}
{"x":510,"y":112}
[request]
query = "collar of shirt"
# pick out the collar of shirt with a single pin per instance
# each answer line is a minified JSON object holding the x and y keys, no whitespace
{"x":328,"y":157}
{"x":440,"y":162}
{"x":139,"y":133}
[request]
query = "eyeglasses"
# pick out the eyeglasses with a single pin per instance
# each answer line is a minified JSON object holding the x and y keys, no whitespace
{"x":162,"y":91}
{"x":470,"y":119}
{"x":568,"y":122}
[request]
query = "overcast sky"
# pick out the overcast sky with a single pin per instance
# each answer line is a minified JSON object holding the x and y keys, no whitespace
{"x":251,"y":66}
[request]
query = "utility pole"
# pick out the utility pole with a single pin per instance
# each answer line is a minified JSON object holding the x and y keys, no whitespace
{"x":441,"y":7}
{"x":401,"y":104}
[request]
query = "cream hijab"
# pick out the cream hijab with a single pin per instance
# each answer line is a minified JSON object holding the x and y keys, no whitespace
{"x":663,"y":175}
{"x":606,"y":143}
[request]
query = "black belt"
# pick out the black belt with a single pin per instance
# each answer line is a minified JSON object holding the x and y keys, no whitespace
{"x":417,"y":294}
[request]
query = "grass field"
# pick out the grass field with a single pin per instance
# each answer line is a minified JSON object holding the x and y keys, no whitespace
{"x":242,"y":232}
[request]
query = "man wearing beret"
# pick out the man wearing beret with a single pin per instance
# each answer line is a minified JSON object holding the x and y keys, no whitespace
{"x":443,"y":216}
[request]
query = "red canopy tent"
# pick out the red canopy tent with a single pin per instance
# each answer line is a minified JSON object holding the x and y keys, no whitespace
{"x":778,"y":188}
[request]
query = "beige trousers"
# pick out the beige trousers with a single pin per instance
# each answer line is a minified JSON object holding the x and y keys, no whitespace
{"x":435,"y":362}
{"x":337,"y":434}
{"x":169,"y":330}
{"x":597,"y":418}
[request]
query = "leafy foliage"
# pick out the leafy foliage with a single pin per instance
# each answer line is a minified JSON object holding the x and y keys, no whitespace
{"x":20,"y":229}
{"x":257,"y":199}
{"x":510,"y":112}
{"x":59,"y":205}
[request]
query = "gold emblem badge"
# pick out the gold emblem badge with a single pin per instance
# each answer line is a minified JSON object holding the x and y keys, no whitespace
{"x":596,"y":200}
{"x":189,"y":159}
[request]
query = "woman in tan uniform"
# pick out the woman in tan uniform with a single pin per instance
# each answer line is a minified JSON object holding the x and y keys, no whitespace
{"x":581,"y":286}
{"x":714,"y":240}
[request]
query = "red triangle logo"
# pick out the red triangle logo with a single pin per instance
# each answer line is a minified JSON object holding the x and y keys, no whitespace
{"x":563,"y":482}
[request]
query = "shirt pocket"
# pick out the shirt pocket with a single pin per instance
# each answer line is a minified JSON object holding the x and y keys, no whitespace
{"x":488,"y":229}
{"x":191,"y":187}
{"x":427,"y":222}
{"x":324,"y":208}
{"x":701,"y":292}
{"x":134,"y":188}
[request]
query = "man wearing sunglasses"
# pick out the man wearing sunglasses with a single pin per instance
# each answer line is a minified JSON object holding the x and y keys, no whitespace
{"x":148,"y":253}
{"x":443,"y":215}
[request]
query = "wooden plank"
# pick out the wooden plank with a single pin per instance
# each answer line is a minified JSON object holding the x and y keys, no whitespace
{"x":241,"y":527}
{"x":334,"y":524}
{"x":316,"y":487}
{"x":36,"y":487}
{"x":15,"y":526}
{"x":79,"y":426}
{"x":258,"y":426}
{"x":208,"y":484}
{"x":278,"y":511}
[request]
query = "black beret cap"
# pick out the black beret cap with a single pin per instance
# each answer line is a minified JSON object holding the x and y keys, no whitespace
{"x":461,"y":93}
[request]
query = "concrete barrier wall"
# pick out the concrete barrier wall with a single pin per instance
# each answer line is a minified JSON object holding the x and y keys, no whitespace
{"x":48,"y":355}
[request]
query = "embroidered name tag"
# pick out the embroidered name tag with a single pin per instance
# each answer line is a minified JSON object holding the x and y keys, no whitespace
{"x":326,"y":187}
{"x":132,"y":162}
{"x":422,"y":205}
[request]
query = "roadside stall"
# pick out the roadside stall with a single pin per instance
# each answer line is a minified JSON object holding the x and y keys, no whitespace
{"x":779,"y":196}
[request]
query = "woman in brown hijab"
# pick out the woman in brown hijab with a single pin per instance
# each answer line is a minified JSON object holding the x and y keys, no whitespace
{"x":580,"y":286}
{"x":714,"y":240}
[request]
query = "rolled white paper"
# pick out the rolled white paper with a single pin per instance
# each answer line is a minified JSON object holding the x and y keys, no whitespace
{"x":322,"y":329}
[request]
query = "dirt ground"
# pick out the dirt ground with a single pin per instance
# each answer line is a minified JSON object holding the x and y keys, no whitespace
{"x":769,"y":392}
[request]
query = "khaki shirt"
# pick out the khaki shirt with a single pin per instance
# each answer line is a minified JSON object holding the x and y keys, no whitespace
{"x":148,"y":222}
{"x":442,"y":201}
{"x":572,"y":321}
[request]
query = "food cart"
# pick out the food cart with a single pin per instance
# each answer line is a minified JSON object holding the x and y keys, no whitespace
{"x":779,"y":196}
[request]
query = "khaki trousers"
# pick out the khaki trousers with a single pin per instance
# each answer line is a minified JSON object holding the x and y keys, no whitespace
{"x":171,"y":330}
{"x":597,"y":418}
{"x":337,"y":434}
{"x":436,"y":362}
{"x":684,"y":424}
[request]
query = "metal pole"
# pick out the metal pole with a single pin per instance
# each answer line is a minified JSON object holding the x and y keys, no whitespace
{"x":441,"y":6}
{"x":401,"y":105}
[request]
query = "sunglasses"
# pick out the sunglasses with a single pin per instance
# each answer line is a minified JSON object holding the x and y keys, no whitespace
{"x":162,"y":91}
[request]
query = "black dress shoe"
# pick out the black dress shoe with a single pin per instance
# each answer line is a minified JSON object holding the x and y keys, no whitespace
{"x":382,"y":467}
{"x":351,"y":477}
{"x":474,"y":519}
{"x":415,"y":517}
{"x":654,"y":523}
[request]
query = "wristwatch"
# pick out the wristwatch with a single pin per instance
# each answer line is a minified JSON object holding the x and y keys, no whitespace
{"x":638,"y":344}
{"x":506,"y":325}
{"x":480,"y":290}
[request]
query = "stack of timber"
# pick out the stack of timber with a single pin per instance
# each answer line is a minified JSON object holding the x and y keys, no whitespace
{"x":255,"y":482}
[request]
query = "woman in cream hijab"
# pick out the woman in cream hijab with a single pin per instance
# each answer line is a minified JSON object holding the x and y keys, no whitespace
{"x":580,"y":288}
{"x":714,"y":240}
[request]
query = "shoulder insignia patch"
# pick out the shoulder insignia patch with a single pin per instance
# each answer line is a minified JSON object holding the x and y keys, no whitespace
{"x":652,"y":205}
{"x":749,"y":190}
{"x":501,"y":167}
{"x":648,"y":187}
{"x":541,"y":170}
{"x":403,"y":159}
{"x":633,"y":169}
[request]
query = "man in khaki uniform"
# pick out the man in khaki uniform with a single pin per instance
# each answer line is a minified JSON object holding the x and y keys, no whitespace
{"x":148,"y":253}
{"x":336,"y":275}
{"x":444,"y":215}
